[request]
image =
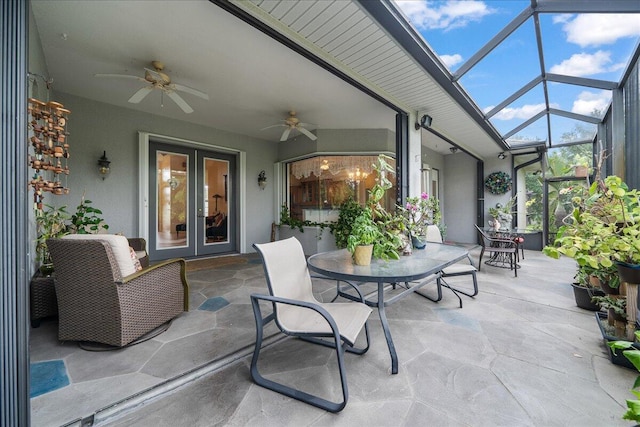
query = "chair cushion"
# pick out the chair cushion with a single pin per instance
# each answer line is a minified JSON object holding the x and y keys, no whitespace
{"x":119,"y":247}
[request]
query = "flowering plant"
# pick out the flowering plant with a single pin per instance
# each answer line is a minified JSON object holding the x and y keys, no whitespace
{"x":498,"y":182}
{"x":420,"y":212}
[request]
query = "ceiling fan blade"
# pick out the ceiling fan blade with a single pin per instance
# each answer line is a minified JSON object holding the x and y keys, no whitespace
{"x":273,"y":126}
{"x":120,"y":76}
{"x":308,"y":125}
{"x":156,"y":75}
{"x":307,"y":133}
{"x":140,"y":94}
{"x":285,"y":134}
{"x":192,"y":91}
{"x":178,"y":100}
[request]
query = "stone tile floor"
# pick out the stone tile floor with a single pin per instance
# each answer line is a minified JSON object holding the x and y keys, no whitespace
{"x":519,"y":353}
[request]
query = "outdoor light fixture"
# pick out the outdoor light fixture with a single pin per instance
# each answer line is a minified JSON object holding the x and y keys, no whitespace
{"x":502,"y":156}
{"x":425,"y":122}
{"x":262,"y":180}
{"x":453,"y":150}
{"x":103,"y":165}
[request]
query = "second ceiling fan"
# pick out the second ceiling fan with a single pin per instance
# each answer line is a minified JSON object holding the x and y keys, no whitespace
{"x":293,"y":123}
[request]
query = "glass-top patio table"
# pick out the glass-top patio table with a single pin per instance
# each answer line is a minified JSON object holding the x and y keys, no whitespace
{"x":422,"y":264}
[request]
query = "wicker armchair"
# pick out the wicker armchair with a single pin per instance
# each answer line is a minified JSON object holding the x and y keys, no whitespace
{"x":97,"y":304}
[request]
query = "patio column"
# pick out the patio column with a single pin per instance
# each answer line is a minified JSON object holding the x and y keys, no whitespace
{"x":415,"y":157}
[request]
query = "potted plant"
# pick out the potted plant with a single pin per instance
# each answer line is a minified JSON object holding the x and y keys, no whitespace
{"x":584,"y":290}
{"x":364,"y":234}
{"x":632,"y":354}
{"x":502,"y":215}
{"x":349,"y":211}
{"x":51,"y":223}
{"x":418,"y":213}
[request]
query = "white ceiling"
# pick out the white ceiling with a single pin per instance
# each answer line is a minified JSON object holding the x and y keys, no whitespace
{"x":252,"y":80}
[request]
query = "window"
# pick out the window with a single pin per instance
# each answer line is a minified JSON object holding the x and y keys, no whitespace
{"x":319,"y":185}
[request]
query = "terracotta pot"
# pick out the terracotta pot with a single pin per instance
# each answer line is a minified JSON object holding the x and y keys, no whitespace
{"x":595,"y":282}
{"x":362,"y":255}
{"x":581,"y":171}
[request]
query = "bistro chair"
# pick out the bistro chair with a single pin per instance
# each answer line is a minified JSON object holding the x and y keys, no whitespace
{"x":458,"y":269}
{"x":297,"y":313}
{"x":502,"y":251}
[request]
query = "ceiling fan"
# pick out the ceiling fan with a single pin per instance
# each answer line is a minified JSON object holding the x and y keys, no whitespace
{"x":293,"y":123}
{"x":156,"y":79}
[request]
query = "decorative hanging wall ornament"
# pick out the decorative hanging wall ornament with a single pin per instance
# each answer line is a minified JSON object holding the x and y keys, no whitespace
{"x":498,"y":182}
{"x":48,"y":148}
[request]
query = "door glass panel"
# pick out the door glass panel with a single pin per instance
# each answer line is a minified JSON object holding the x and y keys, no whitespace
{"x":172,"y":192}
{"x":216,"y":201}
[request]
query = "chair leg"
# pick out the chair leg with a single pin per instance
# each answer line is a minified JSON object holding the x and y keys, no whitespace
{"x":290,"y":391}
{"x":480,"y":260}
{"x":516,"y":264}
{"x":439,"y":290}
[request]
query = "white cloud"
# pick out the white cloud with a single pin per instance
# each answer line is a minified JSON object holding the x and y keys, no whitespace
{"x":598,"y":29}
{"x":451,"y":60}
{"x":587,"y":102}
{"x":523,"y":113}
{"x":585,"y":64}
{"x":451,"y":14}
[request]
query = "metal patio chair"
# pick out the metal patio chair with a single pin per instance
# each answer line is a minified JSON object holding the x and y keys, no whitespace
{"x":297,"y":313}
{"x":503,"y":253}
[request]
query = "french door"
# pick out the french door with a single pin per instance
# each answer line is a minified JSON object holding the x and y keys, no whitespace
{"x":192,"y":206}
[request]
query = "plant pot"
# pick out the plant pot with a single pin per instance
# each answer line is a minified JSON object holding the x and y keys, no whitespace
{"x":580,"y":171}
{"x":583,"y":297}
{"x":629,"y":273}
{"x":616,"y":358}
{"x":604,"y":286}
{"x":362,"y":254}
{"x":419,"y":242}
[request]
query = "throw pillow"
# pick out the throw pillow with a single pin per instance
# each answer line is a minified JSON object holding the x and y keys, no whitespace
{"x":134,"y":258}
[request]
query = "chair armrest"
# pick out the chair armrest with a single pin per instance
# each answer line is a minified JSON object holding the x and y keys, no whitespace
{"x":131,"y":279}
{"x":304,"y":304}
{"x":501,"y":240}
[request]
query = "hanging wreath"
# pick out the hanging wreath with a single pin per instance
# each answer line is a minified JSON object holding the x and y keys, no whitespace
{"x":498,"y":182}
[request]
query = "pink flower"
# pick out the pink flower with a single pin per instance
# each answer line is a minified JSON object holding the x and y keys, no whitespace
{"x":424,"y":196}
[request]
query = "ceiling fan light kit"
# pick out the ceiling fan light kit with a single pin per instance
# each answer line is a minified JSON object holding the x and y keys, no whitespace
{"x":293,"y":123}
{"x":157,"y":79}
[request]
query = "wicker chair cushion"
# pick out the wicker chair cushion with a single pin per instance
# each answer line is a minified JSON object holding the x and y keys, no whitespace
{"x":119,"y":247}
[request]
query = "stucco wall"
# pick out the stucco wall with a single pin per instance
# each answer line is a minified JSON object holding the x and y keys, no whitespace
{"x":459,"y":186}
{"x":95,"y":127}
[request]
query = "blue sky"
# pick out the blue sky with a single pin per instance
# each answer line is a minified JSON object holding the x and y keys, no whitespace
{"x":594,"y":46}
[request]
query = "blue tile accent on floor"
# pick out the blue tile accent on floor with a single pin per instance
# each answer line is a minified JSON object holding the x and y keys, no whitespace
{"x":255,"y":261}
{"x":48,"y":376}
{"x":214,"y":304}
{"x":456,"y":318}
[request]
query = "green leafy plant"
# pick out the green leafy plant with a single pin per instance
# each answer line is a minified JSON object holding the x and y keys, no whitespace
{"x":51,"y":224}
{"x":86,"y":220}
{"x":364,"y":231}
{"x":607,"y":302}
{"x":349,"y":211}
{"x":287,"y":219}
{"x":633,"y":354}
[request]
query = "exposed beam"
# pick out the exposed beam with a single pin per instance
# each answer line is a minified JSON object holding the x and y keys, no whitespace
{"x":495,"y":41}
{"x":588,"y":6}
{"x":582,"y":81}
{"x":524,"y":124}
{"x":574,"y":116}
{"x":386,"y":14}
{"x":517,"y":94}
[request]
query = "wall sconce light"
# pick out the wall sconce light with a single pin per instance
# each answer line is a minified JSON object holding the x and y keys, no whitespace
{"x":103,"y":165}
{"x":453,"y":150}
{"x":502,"y":156}
{"x":425,"y":122}
{"x":262,"y":180}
